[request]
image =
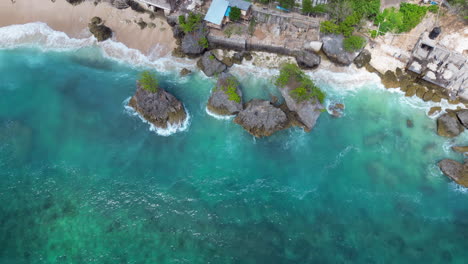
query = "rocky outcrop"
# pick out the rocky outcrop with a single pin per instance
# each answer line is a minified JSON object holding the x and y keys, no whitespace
{"x":336,"y":109}
{"x":226,"y":96}
{"x":463,"y":117}
{"x":261,"y":118}
{"x":333,"y":48}
{"x":99,"y":30}
{"x":160,"y":108}
{"x":307,"y":111}
{"x":456,"y":171}
{"x":192,"y":42}
{"x":210,"y":65}
{"x":363,"y":59}
{"x":185,"y":72}
{"x":448,"y":125}
{"x":460,"y":149}
{"x":307,"y":60}
{"x":390,"y":80}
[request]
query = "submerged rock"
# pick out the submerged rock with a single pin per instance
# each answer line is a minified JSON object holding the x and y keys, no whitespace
{"x":226,"y":97}
{"x":261,"y":118}
{"x":448,"y":125}
{"x":456,"y":171}
{"x":210,"y":65}
{"x":333,"y":48}
{"x":460,"y":149}
{"x":99,"y":30}
{"x":336,"y":109}
{"x":159,"y":108}
{"x":307,"y":60}
{"x":363,"y":59}
{"x":185,"y":72}
{"x":434,"y":110}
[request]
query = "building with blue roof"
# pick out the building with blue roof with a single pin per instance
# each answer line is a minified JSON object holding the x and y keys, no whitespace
{"x":219,"y":11}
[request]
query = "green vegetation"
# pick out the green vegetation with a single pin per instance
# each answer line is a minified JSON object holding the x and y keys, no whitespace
{"x":460,"y":7}
{"x":306,"y":88}
{"x":287,"y":3}
{"x":354,"y":43}
{"x":402,"y":20}
{"x":191,"y":23}
{"x":252,"y":25}
{"x":203,"y":42}
{"x":235,"y":14}
{"x":212,"y":57}
{"x":230,"y":89}
{"x":307,"y":7}
{"x":149,"y":82}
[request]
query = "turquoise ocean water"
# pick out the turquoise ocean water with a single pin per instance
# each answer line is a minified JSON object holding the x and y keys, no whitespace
{"x":84,"y":181}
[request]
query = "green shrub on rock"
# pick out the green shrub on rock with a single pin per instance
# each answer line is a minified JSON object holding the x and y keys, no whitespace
{"x":354,"y":43}
{"x":149,"y":82}
{"x":305,"y":89}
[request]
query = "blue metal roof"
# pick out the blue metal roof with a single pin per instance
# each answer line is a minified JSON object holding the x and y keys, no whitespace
{"x":216,"y":11}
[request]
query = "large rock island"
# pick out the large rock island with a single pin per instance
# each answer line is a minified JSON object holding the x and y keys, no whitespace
{"x":156,"y":105}
{"x":301,"y":95}
{"x":226,"y":96}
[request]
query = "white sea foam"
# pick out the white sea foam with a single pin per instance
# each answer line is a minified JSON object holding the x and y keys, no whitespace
{"x":220,"y":117}
{"x":171,"y":128}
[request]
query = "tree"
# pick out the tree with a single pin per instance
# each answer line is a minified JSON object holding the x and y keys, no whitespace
{"x":149,"y":82}
{"x":287,"y":3}
{"x":307,"y":7}
{"x":339,"y":10}
{"x":235,"y":14}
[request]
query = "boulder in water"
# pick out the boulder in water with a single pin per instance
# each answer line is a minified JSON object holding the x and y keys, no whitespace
{"x":448,"y":125}
{"x":456,"y":171}
{"x":210,"y":65}
{"x":463,"y":117}
{"x":160,"y":108}
{"x":226,"y":96}
{"x":460,"y":149}
{"x":363,"y":59}
{"x":261,"y":118}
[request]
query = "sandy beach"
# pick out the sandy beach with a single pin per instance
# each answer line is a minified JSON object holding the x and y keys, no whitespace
{"x":73,"y":20}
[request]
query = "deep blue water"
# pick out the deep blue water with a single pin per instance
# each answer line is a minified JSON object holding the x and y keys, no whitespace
{"x":83,"y":181}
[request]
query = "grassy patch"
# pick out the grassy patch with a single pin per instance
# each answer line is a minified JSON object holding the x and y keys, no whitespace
{"x":230,"y":89}
{"x":305,"y":90}
{"x":354,"y":43}
{"x":149,"y":82}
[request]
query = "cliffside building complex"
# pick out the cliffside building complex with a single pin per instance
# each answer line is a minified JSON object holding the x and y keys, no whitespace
{"x":219,"y":10}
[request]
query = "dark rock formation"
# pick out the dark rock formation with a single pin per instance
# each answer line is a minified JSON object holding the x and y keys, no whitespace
{"x":191,"y":42}
{"x":160,"y":108}
{"x":307,"y":60}
{"x":210,"y":65}
{"x":185,"y":72}
{"x":177,"y":32}
{"x":99,"y":30}
{"x":333,"y":48}
{"x":75,"y":2}
{"x":460,"y":149}
{"x":455,"y":171}
{"x":121,"y":4}
{"x":463,"y":117}
{"x":409,"y":123}
{"x":220,"y":103}
{"x":448,"y":125}
{"x":390,"y":80}
{"x":434,"y":110}
{"x":237,"y":57}
{"x":307,"y":111}
{"x":363,"y":58}
{"x":260,"y":118}
{"x":336,"y":109}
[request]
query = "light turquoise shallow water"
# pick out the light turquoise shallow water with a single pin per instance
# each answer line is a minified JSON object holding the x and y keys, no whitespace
{"x":82,"y":181}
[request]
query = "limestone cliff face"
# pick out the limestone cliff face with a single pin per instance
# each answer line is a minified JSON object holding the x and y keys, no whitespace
{"x":261,"y":118}
{"x":160,"y":108}
{"x":219,"y":102}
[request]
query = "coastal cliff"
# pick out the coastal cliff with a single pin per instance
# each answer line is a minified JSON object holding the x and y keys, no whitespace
{"x":158,"y":107}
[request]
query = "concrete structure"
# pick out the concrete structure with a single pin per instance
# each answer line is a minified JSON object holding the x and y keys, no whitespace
{"x":166,"y":5}
{"x":440,"y":66}
{"x":218,"y":13}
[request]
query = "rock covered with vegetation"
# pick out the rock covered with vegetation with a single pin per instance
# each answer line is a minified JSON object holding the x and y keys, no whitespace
{"x":335,"y":51}
{"x":448,"y":125}
{"x":156,"y":105}
{"x":99,"y":30}
{"x":261,"y":118}
{"x":194,"y":41}
{"x":456,"y":171}
{"x":226,"y":96}
{"x":210,"y":65}
{"x":302,"y":96}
